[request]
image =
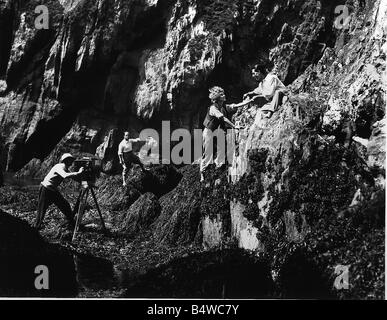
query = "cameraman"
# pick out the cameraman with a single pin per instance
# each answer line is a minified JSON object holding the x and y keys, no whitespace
{"x":49,"y":193}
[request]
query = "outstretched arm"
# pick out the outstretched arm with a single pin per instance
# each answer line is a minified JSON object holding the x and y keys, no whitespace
{"x":227,"y":121}
{"x":66,"y":175}
{"x":243,"y":103}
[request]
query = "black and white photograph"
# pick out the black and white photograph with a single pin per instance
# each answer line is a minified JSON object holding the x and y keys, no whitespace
{"x":172,"y":150}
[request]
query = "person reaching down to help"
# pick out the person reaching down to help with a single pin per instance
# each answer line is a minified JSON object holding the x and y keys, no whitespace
{"x":270,"y":88}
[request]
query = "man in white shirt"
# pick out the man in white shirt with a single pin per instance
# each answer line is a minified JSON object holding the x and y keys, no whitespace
{"x":49,"y":192}
{"x":270,"y":88}
{"x":127,"y":156}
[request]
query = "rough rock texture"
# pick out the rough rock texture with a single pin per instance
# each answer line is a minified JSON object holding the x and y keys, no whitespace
{"x":140,"y":215}
{"x":133,"y":63}
{"x":159,"y":180}
{"x":307,"y":185}
{"x":180,"y":216}
{"x":21,"y":251}
{"x":308,"y":181}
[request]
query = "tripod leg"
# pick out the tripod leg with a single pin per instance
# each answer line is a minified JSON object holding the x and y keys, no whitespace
{"x":82,"y":200}
{"x":98,"y":209}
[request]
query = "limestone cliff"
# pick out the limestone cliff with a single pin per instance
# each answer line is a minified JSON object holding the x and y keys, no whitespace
{"x":108,"y":65}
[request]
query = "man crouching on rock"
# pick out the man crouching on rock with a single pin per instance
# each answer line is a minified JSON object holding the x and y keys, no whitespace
{"x":49,"y":193}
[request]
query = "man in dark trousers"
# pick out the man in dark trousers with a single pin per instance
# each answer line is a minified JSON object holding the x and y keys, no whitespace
{"x":127,"y":156}
{"x":49,"y":193}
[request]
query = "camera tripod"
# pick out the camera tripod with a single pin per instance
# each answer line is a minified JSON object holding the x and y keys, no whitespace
{"x":87,"y":188}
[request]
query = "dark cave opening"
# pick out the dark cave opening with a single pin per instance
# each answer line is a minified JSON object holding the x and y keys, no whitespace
{"x":44,"y":139}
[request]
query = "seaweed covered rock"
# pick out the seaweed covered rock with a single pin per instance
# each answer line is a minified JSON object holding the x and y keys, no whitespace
{"x":159,"y":180}
{"x":113,"y":195}
{"x":21,"y":251}
{"x":215,"y":208}
{"x":297,"y":197}
{"x":19,"y":197}
{"x":141,"y":215}
{"x":304,"y":193}
{"x":180,"y":217}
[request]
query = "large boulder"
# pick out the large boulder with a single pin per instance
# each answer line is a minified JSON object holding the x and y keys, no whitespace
{"x":113,"y":195}
{"x":180,"y":217}
{"x":141,"y":215}
{"x":21,"y":251}
{"x":159,"y":180}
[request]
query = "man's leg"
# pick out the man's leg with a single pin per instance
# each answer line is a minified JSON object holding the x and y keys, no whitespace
{"x":64,"y":207}
{"x":220,"y":148}
{"x":208,"y":151}
{"x":136,"y":160}
{"x":277,"y":100}
{"x":43,"y":204}
{"x":125,"y":172}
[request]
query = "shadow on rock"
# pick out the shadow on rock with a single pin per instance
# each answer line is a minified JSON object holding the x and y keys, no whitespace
{"x":21,"y":251}
{"x":220,"y":274}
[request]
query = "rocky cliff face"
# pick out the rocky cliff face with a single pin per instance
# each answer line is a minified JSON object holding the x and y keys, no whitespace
{"x":306,"y":187}
{"x":318,"y":164}
{"x":106,"y":65}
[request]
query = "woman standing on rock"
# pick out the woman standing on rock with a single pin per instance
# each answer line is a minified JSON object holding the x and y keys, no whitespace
{"x":215,"y":125}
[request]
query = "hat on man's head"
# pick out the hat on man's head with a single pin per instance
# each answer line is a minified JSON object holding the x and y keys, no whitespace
{"x":66,"y":156}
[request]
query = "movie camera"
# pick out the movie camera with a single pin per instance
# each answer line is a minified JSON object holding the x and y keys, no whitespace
{"x":92,"y":168}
